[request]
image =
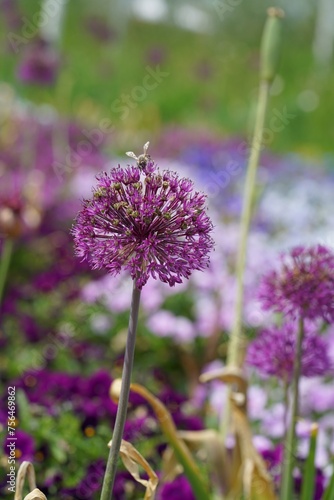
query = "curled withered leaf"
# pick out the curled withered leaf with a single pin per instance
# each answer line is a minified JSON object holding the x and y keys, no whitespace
{"x":170,"y":467}
{"x":229,"y":375}
{"x":35,"y":495}
{"x":233,"y":376}
{"x":26,"y":469}
{"x":168,"y":427}
{"x":256,"y":481}
{"x":132,"y":459}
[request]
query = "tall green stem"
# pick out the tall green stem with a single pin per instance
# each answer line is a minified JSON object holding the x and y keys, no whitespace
{"x":6,"y":256}
{"x":269,"y":60}
{"x":110,"y":473}
{"x":290,"y":441}
{"x":286,"y":405}
{"x":236,"y":339}
{"x":235,"y":353}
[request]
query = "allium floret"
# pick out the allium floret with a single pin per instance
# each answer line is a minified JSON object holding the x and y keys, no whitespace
{"x":147,"y":222}
{"x":303,"y":285}
{"x":273,"y":352}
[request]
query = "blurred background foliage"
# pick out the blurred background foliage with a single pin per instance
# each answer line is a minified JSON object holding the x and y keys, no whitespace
{"x":210,"y":51}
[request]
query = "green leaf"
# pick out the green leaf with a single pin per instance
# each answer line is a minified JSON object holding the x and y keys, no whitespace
{"x":24,"y":409}
{"x":329,"y":493}
{"x":58,"y":452}
{"x":309,"y":470}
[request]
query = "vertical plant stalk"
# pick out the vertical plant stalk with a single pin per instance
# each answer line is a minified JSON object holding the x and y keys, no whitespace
{"x":236,"y":340}
{"x":286,"y":405}
{"x":6,"y":256}
{"x":110,"y":473}
{"x":270,"y":53}
{"x":236,"y":347}
{"x":290,"y":440}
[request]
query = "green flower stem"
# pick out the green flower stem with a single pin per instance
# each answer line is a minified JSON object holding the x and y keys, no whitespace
{"x":270,"y":54}
{"x":286,"y":404}
{"x":236,"y":347}
{"x":6,"y":256}
{"x":290,"y":441}
{"x":236,"y":344}
{"x":110,"y":473}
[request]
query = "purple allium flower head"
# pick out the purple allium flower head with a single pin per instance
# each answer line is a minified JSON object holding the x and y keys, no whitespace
{"x":146,"y":222}
{"x":272,"y":352}
{"x":303,"y":285}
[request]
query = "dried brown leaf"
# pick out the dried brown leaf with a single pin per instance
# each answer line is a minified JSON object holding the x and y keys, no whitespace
{"x":132,"y":459}
{"x":169,"y":429}
{"x":35,"y":495}
{"x":228,"y":375}
{"x":256,"y":481}
{"x":26,"y":470}
{"x":171,"y":467}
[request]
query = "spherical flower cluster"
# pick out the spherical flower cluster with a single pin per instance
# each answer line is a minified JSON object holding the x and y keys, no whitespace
{"x":273,"y":352}
{"x":146,"y":222}
{"x":304,"y":284}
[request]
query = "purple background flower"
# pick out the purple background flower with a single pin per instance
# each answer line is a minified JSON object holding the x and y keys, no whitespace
{"x":303,"y":285}
{"x":273,"y":351}
{"x":40,"y":64}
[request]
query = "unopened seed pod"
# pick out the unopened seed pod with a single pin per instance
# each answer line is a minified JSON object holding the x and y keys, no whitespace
{"x":271,"y":44}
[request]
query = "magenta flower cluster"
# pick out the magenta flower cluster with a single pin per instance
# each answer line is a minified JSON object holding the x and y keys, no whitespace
{"x":273,"y":352}
{"x":146,"y":222}
{"x":303,"y":285}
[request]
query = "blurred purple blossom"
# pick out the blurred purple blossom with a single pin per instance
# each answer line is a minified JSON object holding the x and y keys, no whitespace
{"x":40,"y":64}
{"x":24,"y":446}
{"x":302,"y":285}
{"x":156,"y":55}
{"x":165,"y":324}
{"x":204,"y":70}
{"x":100,"y":29}
{"x":27,"y":160}
{"x":178,"y":489}
{"x":272,"y":352}
{"x":11,"y":12}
